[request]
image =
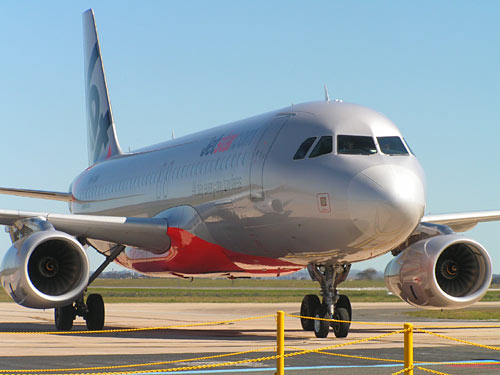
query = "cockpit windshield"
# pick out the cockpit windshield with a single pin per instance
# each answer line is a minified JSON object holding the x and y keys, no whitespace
{"x":392,"y":146}
{"x":355,"y":145}
{"x":304,"y":148}
{"x":323,"y":147}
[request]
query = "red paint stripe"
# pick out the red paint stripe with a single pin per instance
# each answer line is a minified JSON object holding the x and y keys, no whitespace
{"x":190,"y":254}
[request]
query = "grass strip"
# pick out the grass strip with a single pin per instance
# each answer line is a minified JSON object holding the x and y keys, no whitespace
{"x":226,"y":283}
{"x":466,"y":314}
{"x":226,"y":295}
{"x":128,"y":295}
{"x":236,"y":291}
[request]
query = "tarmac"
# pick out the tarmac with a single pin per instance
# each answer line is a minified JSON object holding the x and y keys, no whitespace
{"x":59,"y":351}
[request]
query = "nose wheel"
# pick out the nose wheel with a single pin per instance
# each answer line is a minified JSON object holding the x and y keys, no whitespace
{"x":310,"y":307}
{"x":321,"y":327}
{"x":341,"y":329}
{"x":334,"y":306}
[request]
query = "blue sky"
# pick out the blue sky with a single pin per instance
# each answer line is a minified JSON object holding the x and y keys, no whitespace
{"x":431,"y":67}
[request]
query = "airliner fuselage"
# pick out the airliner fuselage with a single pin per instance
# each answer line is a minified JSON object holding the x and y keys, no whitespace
{"x":269,"y":194}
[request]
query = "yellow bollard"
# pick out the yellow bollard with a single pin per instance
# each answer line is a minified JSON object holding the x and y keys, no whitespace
{"x":408,"y":348}
{"x":280,"y":343}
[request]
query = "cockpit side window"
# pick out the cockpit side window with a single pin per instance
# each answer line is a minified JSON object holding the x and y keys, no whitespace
{"x":304,"y":148}
{"x":392,"y":146}
{"x":408,"y":146}
{"x":355,"y":145}
{"x":324,"y":146}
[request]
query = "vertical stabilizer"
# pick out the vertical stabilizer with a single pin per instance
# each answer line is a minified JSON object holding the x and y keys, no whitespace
{"x":101,"y":132}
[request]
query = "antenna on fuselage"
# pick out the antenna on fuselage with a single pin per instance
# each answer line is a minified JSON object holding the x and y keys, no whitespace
{"x":327,"y":97}
{"x":173,"y":134}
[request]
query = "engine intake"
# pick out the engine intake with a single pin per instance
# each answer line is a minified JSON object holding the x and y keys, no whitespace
{"x":442,"y":272}
{"x":45,"y":269}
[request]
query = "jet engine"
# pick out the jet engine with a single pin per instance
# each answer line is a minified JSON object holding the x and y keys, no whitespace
{"x":442,"y":272}
{"x":45,"y":269}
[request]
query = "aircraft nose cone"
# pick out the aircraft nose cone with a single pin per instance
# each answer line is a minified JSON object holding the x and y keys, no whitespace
{"x":386,"y":202}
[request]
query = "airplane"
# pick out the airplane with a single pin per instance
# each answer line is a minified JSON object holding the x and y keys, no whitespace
{"x":317,"y":185}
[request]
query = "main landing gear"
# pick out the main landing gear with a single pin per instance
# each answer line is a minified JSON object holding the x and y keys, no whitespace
{"x":334,"y":305}
{"x":93,"y":309}
{"x":92,"y":312}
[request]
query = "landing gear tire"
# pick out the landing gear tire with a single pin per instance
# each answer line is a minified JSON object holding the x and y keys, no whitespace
{"x":321,"y":327}
{"x":64,"y":317}
{"x":341,"y":329}
{"x":344,"y":302}
{"x":310,"y":304}
{"x":95,"y":312}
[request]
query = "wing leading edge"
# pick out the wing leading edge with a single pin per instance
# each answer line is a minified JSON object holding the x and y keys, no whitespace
{"x":464,"y":221}
{"x":146,"y":233}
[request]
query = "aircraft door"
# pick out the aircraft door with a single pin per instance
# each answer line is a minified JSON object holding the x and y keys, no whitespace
{"x":162,"y":186}
{"x":260,"y":155}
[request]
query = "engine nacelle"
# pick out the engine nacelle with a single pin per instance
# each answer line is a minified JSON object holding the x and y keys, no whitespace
{"x":442,"y":272}
{"x":45,"y":269}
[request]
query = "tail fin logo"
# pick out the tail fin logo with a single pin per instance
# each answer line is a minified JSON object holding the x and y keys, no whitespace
{"x":98,"y":123}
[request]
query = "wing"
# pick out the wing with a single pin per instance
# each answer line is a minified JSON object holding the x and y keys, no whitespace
{"x":51,"y":195}
{"x":461,"y":222}
{"x":146,"y":233}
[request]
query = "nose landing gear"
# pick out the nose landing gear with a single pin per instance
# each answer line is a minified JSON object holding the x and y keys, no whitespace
{"x":334,"y":306}
{"x":310,"y":305}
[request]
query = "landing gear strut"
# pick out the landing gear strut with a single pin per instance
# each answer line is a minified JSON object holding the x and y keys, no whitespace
{"x":333,"y":306}
{"x":93,"y":310}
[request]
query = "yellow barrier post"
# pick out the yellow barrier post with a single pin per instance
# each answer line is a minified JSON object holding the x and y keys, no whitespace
{"x":408,"y":348}
{"x":280,"y":343}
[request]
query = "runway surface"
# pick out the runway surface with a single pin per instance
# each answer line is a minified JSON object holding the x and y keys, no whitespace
{"x":55,"y":351}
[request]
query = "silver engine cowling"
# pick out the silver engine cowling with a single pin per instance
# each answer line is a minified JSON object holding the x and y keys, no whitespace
{"x":45,"y":269}
{"x":442,"y":272}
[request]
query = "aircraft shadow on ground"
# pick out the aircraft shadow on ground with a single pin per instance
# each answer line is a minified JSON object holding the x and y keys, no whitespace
{"x":212,"y":333}
{"x":168,"y":334}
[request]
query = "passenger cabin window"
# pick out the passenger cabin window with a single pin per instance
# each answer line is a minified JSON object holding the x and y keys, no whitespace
{"x":355,"y":145}
{"x":324,"y":146}
{"x":304,"y":148}
{"x":392,"y":146}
